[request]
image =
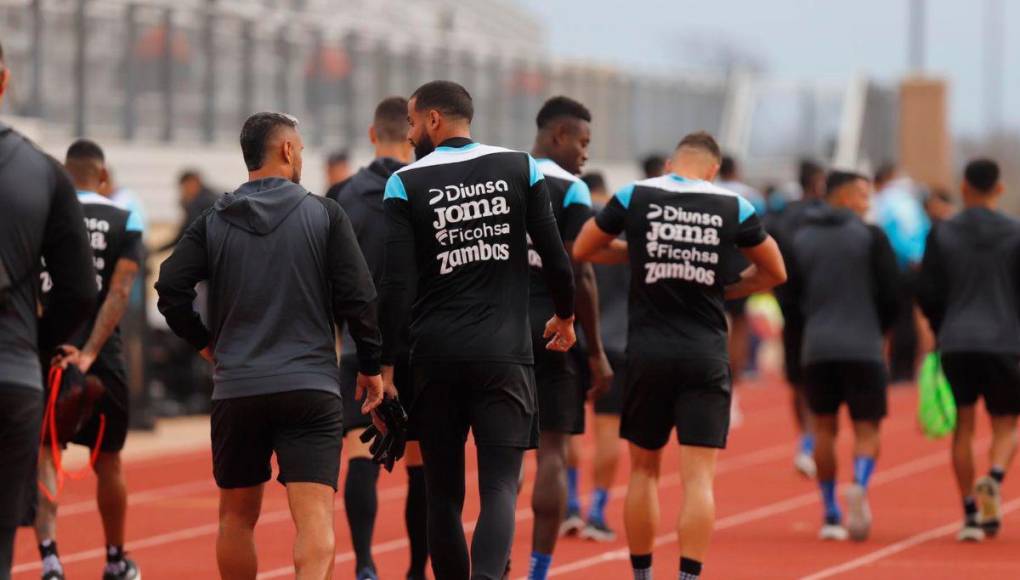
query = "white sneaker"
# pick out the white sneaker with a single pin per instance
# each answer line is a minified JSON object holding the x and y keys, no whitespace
{"x":572,"y":524}
{"x":970,"y":533}
{"x":988,"y":494}
{"x":804,"y":463}
{"x":833,"y":533}
{"x":858,"y":521}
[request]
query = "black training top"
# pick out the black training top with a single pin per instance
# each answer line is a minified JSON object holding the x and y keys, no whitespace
{"x":845,"y":284}
{"x":571,"y":205}
{"x":458,"y":220}
{"x":283,"y":267}
{"x":114,"y":234}
{"x":680,"y":234}
{"x":970,"y":280}
{"x":41,"y":218}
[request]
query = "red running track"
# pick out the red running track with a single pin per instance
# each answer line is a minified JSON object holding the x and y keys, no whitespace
{"x":767,"y":515}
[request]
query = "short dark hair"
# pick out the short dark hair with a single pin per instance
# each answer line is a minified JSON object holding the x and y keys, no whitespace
{"x":982,"y":174}
{"x":447,"y":97}
{"x":189,"y":175}
{"x":838,"y":178}
{"x":560,"y":107}
{"x":727,"y":167}
{"x":594,"y":180}
{"x":390,"y":120}
{"x":338,"y":157}
{"x":702,"y":140}
{"x":807,"y":170}
{"x":653,"y":164}
{"x":85,"y":150}
{"x":256,"y":133}
{"x":885,"y":171}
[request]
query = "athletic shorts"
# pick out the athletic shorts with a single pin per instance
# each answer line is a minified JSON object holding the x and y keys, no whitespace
{"x":560,"y":392}
{"x":793,"y":336}
{"x":495,"y":401}
{"x":353,"y":417}
{"x":737,"y":306}
{"x":304,"y":428}
{"x":993,"y":377}
{"x":21,"y":411}
{"x":862,"y":385}
{"x":611,"y":403}
{"x":112,"y":412}
{"x":692,"y":395}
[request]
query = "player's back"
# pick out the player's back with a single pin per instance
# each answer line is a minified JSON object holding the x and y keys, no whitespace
{"x":467,"y":207}
{"x":680,"y":236}
{"x":979,"y":258}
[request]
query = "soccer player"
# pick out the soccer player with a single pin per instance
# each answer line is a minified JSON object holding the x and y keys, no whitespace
{"x":783,"y":226}
{"x":283,"y":267}
{"x":681,"y":230}
{"x":41,"y":219}
{"x":561,"y":149}
{"x":844,"y":277}
{"x":116,"y":238}
{"x":361,"y":197}
{"x":458,"y":220}
{"x":969,"y":291}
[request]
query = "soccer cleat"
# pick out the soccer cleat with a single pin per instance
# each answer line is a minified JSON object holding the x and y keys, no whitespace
{"x":989,"y":500}
{"x":970,"y":532}
{"x":858,"y":521}
{"x":804,"y":463}
{"x":598,"y":531}
{"x":126,"y":569}
{"x":833,"y":533}
{"x":572,"y":524}
{"x":367,"y":573}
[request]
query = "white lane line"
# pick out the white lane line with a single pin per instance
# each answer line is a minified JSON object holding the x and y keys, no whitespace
{"x":900,"y":546}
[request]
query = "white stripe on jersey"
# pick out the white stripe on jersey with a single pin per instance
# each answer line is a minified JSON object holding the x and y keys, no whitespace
{"x":670,"y":183}
{"x":94,"y":198}
{"x":446,"y":155}
{"x":550,"y":168}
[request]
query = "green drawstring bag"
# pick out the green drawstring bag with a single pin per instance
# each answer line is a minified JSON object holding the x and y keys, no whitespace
{"x":936,"y":408}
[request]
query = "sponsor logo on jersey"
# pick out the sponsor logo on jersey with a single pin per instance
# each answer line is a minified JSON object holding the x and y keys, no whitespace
{"x":672,"y":231}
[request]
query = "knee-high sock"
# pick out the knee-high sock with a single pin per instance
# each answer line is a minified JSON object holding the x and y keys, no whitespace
{"x":415,"y":518}
{"x":361,"y":503}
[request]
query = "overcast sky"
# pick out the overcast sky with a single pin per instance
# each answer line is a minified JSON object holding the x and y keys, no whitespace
{"x":799,"y":39}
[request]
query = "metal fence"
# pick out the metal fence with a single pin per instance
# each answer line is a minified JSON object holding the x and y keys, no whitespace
{"x":153,"y":71}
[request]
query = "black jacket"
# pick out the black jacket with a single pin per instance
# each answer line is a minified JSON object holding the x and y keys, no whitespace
{"x":283,"y":265}
{"x":845,"y":281}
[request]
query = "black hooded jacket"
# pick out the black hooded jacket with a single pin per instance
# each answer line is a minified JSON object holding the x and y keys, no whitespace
{"x":283,"y":266}
{"x":843,"y":276}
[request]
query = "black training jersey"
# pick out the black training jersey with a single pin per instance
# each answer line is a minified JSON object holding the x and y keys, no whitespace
{"x":970,"y":282}
{"x":571,"y":205}
{"x":114,"y":233}
{"x":680,"y":234}
{"x":458,"y":221}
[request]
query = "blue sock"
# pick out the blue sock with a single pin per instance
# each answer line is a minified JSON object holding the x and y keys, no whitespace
{"x":597,"y":509}
{"x":573,"y":501}
{"x":832,"y":513}
{"x":807,"y":443}
{"x":539,"y":568}
{"x":863,"y":467}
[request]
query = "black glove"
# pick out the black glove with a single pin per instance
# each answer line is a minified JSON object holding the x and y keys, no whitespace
{"x":387,"y":448}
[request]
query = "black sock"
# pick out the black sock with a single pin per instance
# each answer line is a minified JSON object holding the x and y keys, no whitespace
{"x":48,"y":548}
{"x":689,"y":569}
{"x":415,"y":518}
{"x":642,"y":565}
{"x":970,"y":510}
{"x":361,"y":504}
{"x":114,"y":554}
{"x":997,"y":473}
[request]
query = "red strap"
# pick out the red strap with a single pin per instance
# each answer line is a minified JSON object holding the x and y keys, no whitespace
{"x":50,"y":424}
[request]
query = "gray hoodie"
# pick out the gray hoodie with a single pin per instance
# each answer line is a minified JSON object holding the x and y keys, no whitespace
{"x":843,"y":276}
{"x":283,"y":268}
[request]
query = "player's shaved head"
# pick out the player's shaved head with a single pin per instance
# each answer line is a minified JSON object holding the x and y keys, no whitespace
{"x":85,"y":162}
{"x":390,"y":120}
{"x":697,"y":156}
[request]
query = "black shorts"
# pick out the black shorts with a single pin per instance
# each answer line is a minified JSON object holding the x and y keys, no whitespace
{"x":793,"y":336}
{"x":304,"y":429}
{"x":21,"y":411}
{"x":560,"y":391}
{"x":994,"y":377}
{"x":496,"y":401}
{"x":111,"y":412}
{"x":859,"y":384}
{"x":691,"y":395}
{"x":611,"y":403}
{"x":353,"y":417}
